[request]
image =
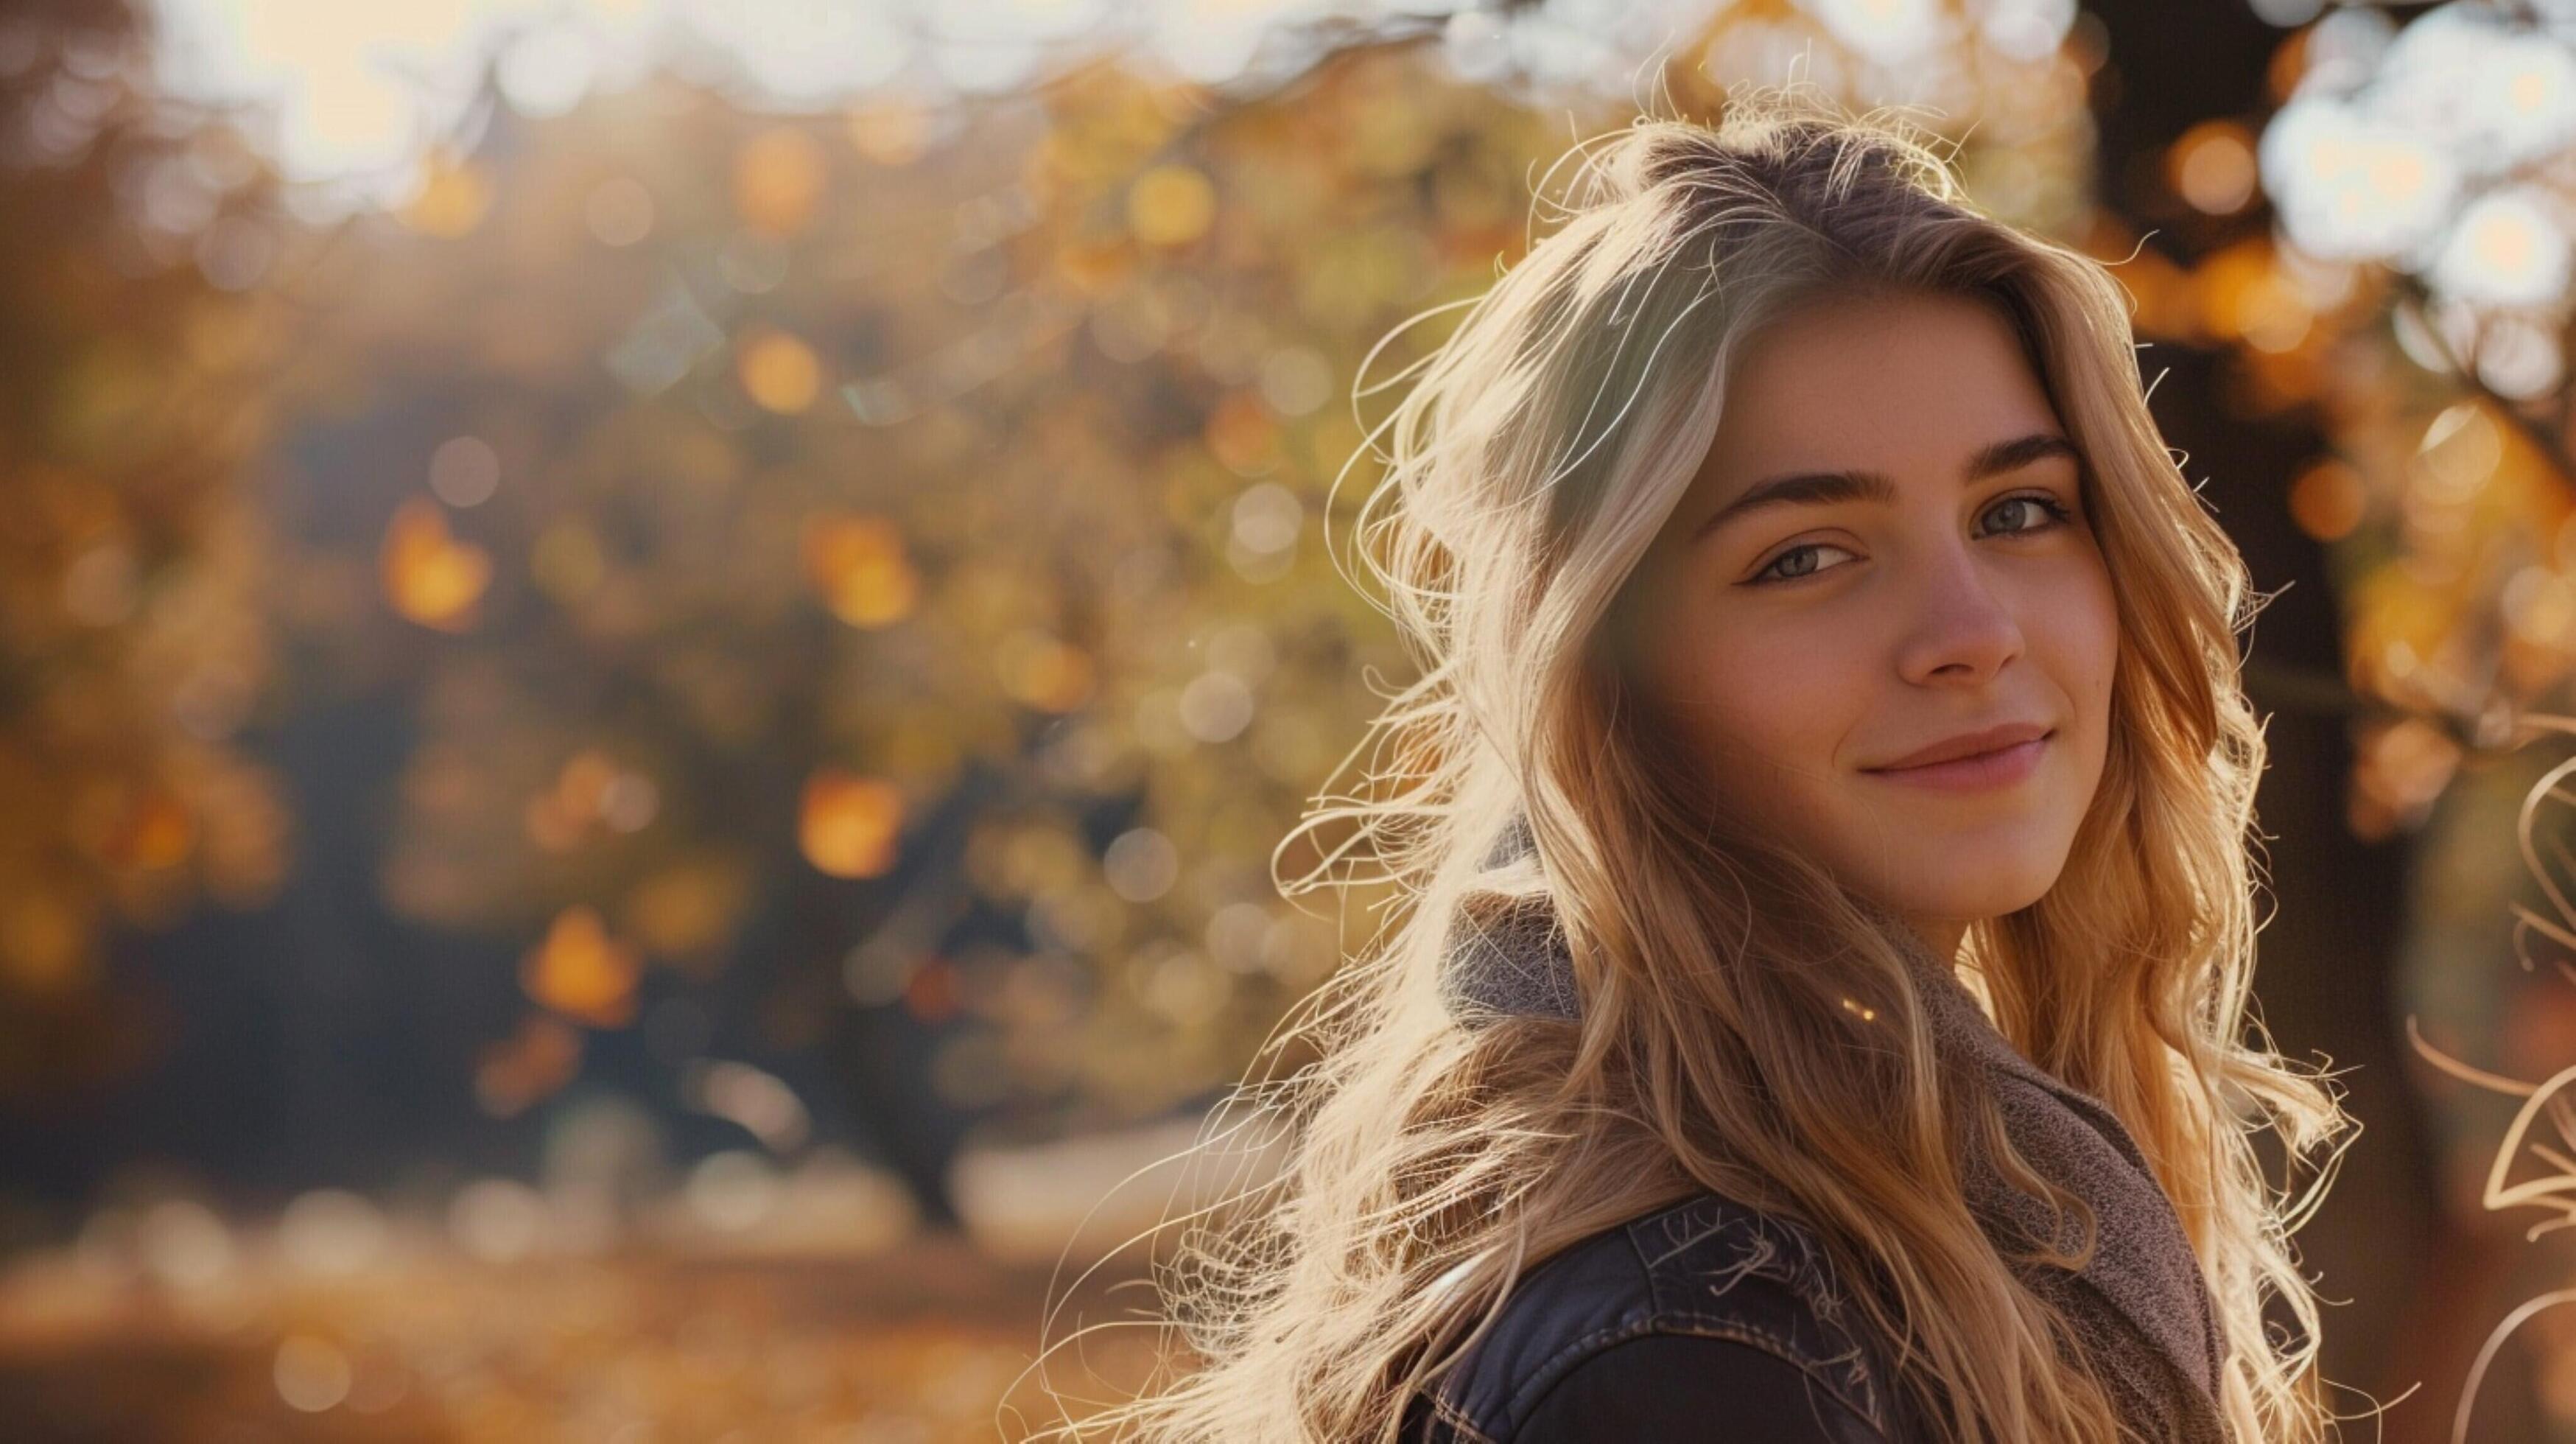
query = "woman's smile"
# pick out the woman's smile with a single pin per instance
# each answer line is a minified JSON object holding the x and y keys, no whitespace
{"x":2000,"y":768}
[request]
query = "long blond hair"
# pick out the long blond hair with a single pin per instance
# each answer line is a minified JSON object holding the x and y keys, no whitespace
{"x":1725,"y":979}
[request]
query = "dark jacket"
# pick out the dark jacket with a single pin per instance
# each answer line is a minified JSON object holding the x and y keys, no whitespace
{"x":1704,"y":1321}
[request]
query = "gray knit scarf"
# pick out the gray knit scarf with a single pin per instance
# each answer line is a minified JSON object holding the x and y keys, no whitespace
{"x":2140,"y":1304}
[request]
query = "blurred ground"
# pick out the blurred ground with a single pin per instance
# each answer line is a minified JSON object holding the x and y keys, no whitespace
{"x":910,"y":1347}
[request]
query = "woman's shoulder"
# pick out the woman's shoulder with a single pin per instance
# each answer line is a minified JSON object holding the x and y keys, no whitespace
{"x":1675,"y":1388}
{"x":1728,"y":1305}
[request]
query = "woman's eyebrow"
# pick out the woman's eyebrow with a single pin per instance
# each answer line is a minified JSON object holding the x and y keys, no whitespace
{"x":1824,"y":488}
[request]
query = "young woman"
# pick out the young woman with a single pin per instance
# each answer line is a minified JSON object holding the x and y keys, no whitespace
{"x":1822,"y":1012}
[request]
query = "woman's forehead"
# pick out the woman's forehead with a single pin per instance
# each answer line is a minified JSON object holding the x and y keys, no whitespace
{"x":1875,"y":385}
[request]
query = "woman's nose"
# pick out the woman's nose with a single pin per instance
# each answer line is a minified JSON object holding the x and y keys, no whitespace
{"x":1958,"y":623}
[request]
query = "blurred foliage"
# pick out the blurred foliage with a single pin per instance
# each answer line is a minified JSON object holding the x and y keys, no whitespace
{"x":2408,"y":295}
{"x":724,"y":488}
{"x":133,"y":642}
{"x":736,"y":498}
{"x":867,"y":448}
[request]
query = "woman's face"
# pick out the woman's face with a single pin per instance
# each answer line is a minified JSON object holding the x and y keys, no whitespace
{"x":1887,"y":550}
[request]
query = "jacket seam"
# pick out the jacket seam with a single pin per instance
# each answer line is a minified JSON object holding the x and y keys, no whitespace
{"x":1548,"y":1375}
{"x":1743,"y":1333}
{"x":1456,"y":1418}
{"x":1861,"y":1397}
{"x":1778,"y":1341}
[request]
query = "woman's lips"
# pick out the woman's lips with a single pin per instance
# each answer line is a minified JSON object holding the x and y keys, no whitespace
{"x":2000,"y":768}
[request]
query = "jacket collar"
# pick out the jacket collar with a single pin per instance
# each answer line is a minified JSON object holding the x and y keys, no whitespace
{"x":2143,"y":1282}
{"x":2143,"y":1266}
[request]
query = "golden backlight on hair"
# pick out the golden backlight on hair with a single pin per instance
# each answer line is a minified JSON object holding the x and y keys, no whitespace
{"x":1527,"y":466}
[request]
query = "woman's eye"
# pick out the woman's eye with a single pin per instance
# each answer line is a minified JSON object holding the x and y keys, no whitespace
{"x":1798,"y":562}
{"x":1791,"y":573}
{"x":2049,"y":505}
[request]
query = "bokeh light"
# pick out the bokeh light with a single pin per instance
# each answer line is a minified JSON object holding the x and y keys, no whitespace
{"x":687,"y":627}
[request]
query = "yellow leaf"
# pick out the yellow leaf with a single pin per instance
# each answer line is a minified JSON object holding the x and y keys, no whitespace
{"x":1170,"y":205}
{"x":777,"y":179}
{"x":429,"y":577}
{"x":850,"y":823}
{"x":857,"y":564}
{"x":779,"y":371}
{"x":582,"y":972}
{"x":540,"y":1058}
